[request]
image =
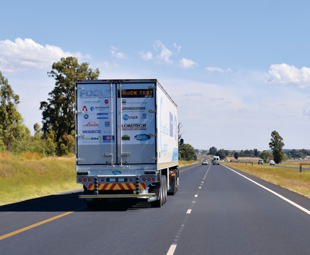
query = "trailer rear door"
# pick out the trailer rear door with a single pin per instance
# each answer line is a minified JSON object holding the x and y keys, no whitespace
{"x":115,"y":123}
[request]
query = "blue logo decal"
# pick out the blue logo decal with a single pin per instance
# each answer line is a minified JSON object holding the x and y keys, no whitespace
{"x":86,"y":116}
{"x":125,"y":117}
{"x":142,"y":137}
{"x":117,"y":172}
{"x":92,"y":108}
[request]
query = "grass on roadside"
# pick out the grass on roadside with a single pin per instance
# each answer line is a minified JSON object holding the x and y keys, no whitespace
{"x":187,"y":163}
{"x":287,"y":178}
{"x":28,"y":176}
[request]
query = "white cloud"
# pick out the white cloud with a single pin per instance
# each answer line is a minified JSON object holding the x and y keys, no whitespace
{"x":146,"y":55}
{"x":217,"y":69}
{"x":289,"y":74}
{"x":178,"y":47}
{"x":187,"y":63}
{"x":27,"y":54}
{"x":164,"y":55}
{"x":116,"y":53}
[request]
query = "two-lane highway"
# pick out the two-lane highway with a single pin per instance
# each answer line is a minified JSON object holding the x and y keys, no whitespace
{"x":216,"y":211}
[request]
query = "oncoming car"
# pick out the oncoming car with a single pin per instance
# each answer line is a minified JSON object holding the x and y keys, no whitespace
{"x":260,"y":162}
{"x":216,"y":160}
{"x":205,"y":162}
{"x":272,"y":163}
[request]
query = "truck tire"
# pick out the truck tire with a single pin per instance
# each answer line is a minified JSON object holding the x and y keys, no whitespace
{"x":165,"y":190}
{"x":158,"y":203}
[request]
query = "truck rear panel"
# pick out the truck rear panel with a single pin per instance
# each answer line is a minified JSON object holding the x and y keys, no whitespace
{"x":126,"y":132}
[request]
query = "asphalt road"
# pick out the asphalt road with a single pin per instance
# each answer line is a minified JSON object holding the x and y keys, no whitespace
{"x":216,"y":211}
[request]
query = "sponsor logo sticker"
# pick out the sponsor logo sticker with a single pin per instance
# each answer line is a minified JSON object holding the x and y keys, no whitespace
{"x":91,"y":131}
{"x":134,"y":126}
{"x":91,"y":124}
{"x":98,"y":138}
{"x":138,"y":108}
{"x":131,"y":117}
{"x":126,"y":138}
{"x":142,"y":137}
{"x":86,"y":116}
{"x":107,"y":138}
{"x":91,"y":93}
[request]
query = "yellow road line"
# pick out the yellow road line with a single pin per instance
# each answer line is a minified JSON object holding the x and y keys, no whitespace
{"x":188,"y":168}
{"x":34,"y":225}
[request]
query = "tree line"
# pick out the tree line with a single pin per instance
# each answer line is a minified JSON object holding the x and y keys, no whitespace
{"x":276,"y":152}
{"x":57,"y":134}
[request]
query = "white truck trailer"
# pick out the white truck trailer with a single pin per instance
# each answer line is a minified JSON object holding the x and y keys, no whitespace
{"x":126,"y":140}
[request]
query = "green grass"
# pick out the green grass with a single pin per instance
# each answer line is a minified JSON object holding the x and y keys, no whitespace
{"x":30,"y":175}
{"x":24,"y":178}
{"x":187,"y":163}
{"x":290,"y":179}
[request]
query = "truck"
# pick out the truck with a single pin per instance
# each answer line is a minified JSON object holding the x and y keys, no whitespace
{"x":126,"y":135}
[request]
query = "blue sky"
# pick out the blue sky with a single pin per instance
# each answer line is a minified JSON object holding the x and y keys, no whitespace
{"x":237,"y":69}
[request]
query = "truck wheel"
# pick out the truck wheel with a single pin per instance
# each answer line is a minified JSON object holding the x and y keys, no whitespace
{"x":165,"y":189}
{"x":160,"y":201}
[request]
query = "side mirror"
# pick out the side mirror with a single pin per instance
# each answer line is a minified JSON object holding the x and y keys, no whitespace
{"x":182,"y":142}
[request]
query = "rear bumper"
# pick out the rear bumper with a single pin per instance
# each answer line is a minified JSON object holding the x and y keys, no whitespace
{"x":150,"y":196}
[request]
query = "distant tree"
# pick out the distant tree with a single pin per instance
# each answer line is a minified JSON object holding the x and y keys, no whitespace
{"x":236,"y":155}
{"x":266,"y":156}
{"x":58,"y":111}
{"x":188,"y":152}
{"x":221,"y":153}
{"x":212,"y":151}
{"x":12,"y":129}
{"x":256,"y":152}
{"x":276,"y":144}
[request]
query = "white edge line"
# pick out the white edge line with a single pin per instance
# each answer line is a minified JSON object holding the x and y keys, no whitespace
{"x":196,"y":195}
{"x":189,"y":211}
{"x":172,"y":249}
{"x":273,"y":192}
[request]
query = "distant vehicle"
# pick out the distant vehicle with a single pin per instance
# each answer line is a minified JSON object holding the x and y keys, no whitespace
{"x":216,"y":160}
{"x":272,"y":163}
{"x":205,"y":162}
{"x":260,"y":162}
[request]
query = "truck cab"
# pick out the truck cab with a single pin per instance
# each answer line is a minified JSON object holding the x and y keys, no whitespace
{"x":216,"y":160}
